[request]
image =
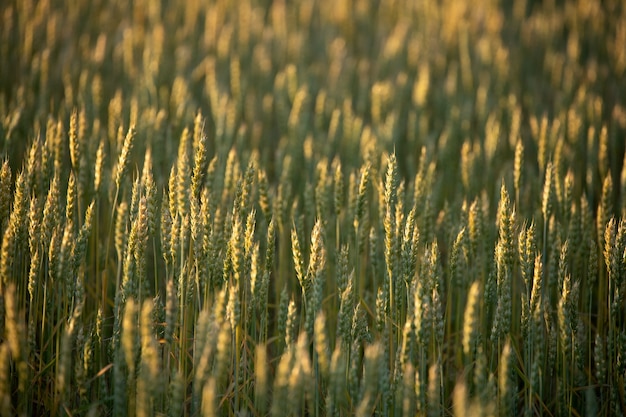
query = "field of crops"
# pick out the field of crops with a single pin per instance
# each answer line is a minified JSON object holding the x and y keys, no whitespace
{"x":312,"y":208}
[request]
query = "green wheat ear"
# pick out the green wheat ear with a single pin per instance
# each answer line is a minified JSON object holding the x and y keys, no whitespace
{"x":5,"y":194}
{"x":123,"y":160}
{"x":506,"y":381}
{"x":471,"y":320}
{"x":261,"y":378}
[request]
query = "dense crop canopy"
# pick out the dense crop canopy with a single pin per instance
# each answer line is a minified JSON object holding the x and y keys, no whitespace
{"x":311,"y":208}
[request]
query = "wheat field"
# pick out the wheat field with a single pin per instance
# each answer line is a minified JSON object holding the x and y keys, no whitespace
{"x":312,"y":208}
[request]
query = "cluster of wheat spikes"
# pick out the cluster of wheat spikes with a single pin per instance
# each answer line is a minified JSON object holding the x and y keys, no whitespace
{"x":313,"y":208}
